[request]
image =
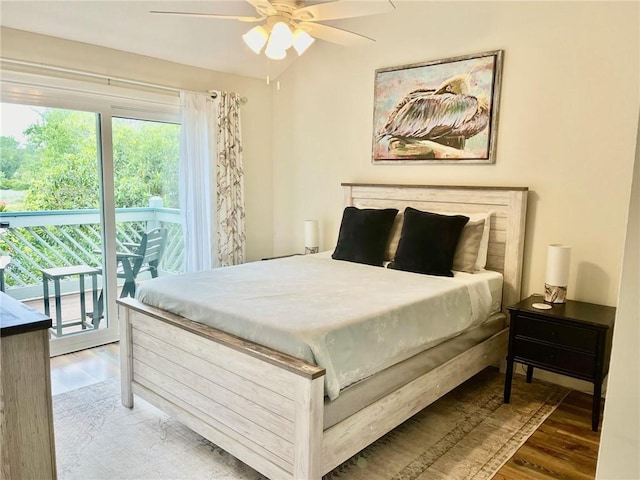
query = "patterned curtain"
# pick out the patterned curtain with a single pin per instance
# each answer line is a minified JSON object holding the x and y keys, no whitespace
{"x":229,"y":214}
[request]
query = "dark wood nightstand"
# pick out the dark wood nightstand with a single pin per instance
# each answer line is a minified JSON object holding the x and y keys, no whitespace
{"x":282,"y":256}
{"x":572,"y":339}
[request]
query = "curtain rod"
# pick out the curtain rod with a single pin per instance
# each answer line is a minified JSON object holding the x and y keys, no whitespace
{"x":100,"y":76}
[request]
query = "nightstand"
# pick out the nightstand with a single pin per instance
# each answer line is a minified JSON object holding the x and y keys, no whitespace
{"x":282,"y":256}
{"x":572,"y":339}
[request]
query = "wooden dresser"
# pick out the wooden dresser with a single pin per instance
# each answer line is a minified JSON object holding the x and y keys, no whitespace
{"x":26,"y":417}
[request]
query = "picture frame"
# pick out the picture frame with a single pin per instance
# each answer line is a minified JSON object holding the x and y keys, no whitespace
{"x":442,"y":111}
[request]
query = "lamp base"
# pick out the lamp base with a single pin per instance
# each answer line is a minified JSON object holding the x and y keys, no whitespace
{"x":555,"y":294}
{"x":308,"y":250}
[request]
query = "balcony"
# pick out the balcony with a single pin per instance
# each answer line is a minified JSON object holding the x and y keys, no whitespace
{"x":47,"y":239}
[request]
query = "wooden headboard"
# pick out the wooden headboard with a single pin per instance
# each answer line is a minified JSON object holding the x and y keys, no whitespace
{"x":509,"y":204}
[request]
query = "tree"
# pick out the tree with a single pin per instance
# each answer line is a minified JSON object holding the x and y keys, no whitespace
{"x":60,"y":165}
{"x":66,"y":150}
{"x":13,"y":158}
{"x":11,"y":155}
{"x":65,"y":173}
{"x":145,"y":156}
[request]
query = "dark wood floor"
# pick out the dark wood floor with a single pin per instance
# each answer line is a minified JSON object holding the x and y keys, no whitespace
{"x":564,"y":447}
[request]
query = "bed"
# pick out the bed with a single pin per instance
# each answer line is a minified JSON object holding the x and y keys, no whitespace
{"x":268,"y":408}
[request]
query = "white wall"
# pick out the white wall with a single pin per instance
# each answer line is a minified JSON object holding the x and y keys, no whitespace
{"x":620,"y":441}
{"x":257,"y":113}
{"x":567,"y":127}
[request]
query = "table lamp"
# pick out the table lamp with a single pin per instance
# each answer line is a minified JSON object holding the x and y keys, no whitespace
{"x":311,"y":237}
{"x":557,"y":276}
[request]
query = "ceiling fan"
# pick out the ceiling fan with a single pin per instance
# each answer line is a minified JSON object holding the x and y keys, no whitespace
{"x":289,"y":23}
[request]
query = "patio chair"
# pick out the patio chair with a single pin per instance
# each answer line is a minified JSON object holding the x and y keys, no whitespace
{"x":140,"y":257}
{"x":5,"y":260}
{"x":144,"y":256}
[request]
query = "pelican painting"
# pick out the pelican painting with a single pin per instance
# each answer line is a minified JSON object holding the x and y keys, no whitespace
{"x":437,"y":112}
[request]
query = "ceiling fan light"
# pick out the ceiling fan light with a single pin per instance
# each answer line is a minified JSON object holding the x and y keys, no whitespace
{"x":302,"y":40}
{"x":273,"y":50}
{"x":256,"y":38}
{"x":281,"y":36}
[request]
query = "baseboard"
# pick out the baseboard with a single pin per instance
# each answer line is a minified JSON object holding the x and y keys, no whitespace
{"x":562,"y":380}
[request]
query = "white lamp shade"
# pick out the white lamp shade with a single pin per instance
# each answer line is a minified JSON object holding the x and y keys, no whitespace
{"x":281,"y":36}
{"x":256,"y":38}
{"x":273,"y":51}
{"x":558,"y":261}
{"x":301,"y":41}
{"x":311,"y":234}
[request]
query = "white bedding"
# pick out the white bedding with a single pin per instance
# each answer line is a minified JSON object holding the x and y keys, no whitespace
{"x":354,"y":320}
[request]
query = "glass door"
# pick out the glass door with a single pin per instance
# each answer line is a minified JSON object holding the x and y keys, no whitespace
{"x":51,"y":214}
{"x":87,"y":171}
{"x":148,"y":228}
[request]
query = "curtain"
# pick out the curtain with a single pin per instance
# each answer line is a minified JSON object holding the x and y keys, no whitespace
{"x":196,"y":187}
{"x":211,"y":181}
{"x":229,"y":214}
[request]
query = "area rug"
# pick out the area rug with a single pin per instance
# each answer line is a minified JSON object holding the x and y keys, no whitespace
{"x":467,"y":434}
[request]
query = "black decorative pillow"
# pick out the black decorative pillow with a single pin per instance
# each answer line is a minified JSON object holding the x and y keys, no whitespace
{"x":428,"y":242}
{"x":364,"y":234}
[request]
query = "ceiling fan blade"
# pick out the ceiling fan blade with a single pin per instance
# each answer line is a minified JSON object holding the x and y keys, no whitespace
{"x":335,"y":35}
{"x":263,"y":7}
{"x":342,"y":9}
{"x":212,"y":15}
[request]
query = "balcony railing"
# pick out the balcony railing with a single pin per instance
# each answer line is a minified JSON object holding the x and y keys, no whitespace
{"x":37,"y":240}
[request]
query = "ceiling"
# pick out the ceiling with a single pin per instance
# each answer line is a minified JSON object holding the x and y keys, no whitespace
{"x":128,"y":26}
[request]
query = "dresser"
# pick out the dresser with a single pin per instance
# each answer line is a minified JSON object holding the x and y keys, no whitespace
{"x":572,"y":338}
{"x":26,"y":419}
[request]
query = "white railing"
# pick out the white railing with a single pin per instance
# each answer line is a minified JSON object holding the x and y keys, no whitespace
{"x":46,"y":239}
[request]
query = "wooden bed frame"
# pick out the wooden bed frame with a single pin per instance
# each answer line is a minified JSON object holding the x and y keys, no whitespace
{"x":266,"y":408}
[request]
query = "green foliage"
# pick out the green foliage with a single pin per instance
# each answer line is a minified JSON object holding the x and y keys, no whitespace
{"x":14,"y":159}
{"x":61,"y":170}
{"x":66,"y":150}
{"x":12,"y":156}
{"x":145,"y":157}
{"x":13,"y":184}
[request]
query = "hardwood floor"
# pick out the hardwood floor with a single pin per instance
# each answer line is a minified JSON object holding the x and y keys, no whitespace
{"x":85,"y":367}
{"x":563,"y":447}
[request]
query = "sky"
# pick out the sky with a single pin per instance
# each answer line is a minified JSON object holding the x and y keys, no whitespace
{"x":14,"y":119}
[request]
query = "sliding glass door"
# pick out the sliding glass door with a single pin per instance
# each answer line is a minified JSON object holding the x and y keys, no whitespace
{"x":148,"y":228}
{"x":85,"y":175}
{"x":52,"y":233}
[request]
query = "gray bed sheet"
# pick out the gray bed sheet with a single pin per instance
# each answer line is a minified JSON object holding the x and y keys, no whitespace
{"x":363,"y":393}
{"x":352,"y":319}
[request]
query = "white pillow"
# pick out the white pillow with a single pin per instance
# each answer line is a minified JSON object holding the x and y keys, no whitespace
{"x":481,"y":259}
{"x":394,"y":238}
{"x":466,"y":254}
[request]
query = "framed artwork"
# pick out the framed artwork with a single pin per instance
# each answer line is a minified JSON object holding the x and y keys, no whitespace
{"x":444,"y":111}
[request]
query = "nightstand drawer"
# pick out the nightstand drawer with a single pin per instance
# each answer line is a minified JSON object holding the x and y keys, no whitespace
{"x":570,"y":361}
{"x":554,"y":332}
